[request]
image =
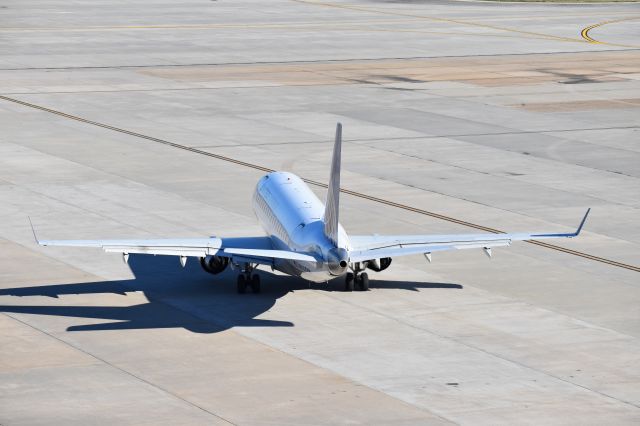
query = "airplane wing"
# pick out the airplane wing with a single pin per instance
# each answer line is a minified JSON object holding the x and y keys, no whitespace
{"x":245,"y":249}
{"x":376,"y":247}
{"x":199,"y":247}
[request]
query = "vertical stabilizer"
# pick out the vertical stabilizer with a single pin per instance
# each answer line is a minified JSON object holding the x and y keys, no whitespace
{"x":332,"y":206}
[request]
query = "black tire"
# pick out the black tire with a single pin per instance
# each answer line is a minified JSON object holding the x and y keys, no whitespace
{"x":255,"y":283}
{"x":348,"y":282}
{"x":363,"y":282}
{"x":242,"y":284}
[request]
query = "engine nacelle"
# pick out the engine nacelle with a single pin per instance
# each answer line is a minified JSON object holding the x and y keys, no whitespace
{"x":379,"y":264}
{"x":214,"y":264}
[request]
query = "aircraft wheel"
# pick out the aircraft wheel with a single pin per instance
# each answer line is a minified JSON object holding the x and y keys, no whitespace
{"x":348,"y":282}
{"x":363,"y":281}
{"x":242,"y":284}
{"x":255,"y":283}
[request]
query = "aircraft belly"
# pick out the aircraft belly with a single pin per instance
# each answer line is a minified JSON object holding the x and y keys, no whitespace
{"x":311,"y":271}
{"x":317,"y":277}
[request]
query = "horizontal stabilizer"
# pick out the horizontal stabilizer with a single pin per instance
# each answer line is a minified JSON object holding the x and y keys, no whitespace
{"x":273,"y":254}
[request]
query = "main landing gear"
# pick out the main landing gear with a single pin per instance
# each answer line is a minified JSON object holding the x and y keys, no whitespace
{"x":356,"y":281}
{"x":248,"y":279}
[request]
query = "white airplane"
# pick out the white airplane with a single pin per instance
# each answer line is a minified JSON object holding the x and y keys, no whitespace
{"x":304,"y":238}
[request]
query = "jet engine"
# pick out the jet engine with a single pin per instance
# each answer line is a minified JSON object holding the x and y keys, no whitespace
{"x":379,"y":264}
{"x":214,"y":264}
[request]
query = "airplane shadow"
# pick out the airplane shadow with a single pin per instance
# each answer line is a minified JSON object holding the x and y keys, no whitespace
{"x":181,"y":298}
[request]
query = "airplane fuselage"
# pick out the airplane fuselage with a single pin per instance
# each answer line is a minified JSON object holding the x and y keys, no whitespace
{"x":292,"y":216}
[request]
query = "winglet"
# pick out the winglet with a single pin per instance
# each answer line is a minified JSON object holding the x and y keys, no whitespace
{"x":35,"y":237}
{"x":584,"y":219}
{"x":332,"y":206}
{"x":570,"y":235}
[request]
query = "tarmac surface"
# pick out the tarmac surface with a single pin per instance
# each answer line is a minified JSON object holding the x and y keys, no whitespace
{"x":156,"y":119}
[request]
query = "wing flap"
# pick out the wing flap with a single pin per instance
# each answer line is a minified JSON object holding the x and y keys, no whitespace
{"x":164,"y":251}
{"x":406,"y":250}
{"x":378,"y":241}
{"x":211,"y":242}
{"x":196,"y":247}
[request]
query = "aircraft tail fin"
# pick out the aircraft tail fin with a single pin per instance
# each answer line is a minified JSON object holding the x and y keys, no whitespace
{"x":332,"y":205}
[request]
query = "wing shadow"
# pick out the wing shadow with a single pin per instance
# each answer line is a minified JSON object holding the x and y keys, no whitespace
{"x":179,"y":297}
{"x":165,"y":285}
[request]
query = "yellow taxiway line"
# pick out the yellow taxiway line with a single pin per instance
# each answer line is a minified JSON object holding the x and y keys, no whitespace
{"x":585,"y":32}
{"x":437,"y":19}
